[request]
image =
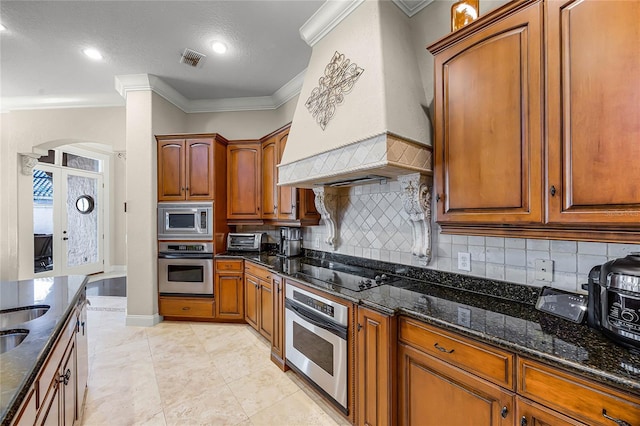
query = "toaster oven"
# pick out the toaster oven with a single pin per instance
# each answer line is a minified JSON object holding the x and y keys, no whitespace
{"x":253,"y":241}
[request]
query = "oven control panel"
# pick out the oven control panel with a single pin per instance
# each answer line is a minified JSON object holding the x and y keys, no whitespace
{"x":314,"y":303}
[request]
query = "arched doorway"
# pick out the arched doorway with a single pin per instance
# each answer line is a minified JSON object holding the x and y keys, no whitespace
{"x":69,"y":208}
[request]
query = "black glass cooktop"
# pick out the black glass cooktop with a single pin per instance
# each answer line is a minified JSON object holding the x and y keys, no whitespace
{"x":338,"y":275}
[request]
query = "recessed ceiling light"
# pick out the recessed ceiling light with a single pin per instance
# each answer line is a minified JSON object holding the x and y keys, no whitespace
{"x":2,"y":27}
{"x":93,"y":54}
{"x":219,"y":47}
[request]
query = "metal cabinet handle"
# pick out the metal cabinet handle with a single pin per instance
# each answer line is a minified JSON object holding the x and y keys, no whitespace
{"x":437,"y":197}
{"x":441,"y":349}
{"x":504,"y":412}
{"x":186,"y":308}
{"x":553,"y":191}
{"x":619,"y":422}
{"x":64,"y":378}
{"x":359,"y":327}
{"x":523,"y":421}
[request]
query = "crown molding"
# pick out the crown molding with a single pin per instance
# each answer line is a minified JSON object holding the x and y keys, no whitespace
{"x":326,"y":18}
{"x":411,"y":7}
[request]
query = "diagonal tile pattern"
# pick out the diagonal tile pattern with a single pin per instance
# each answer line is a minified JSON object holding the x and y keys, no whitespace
{"x":181,"y":373}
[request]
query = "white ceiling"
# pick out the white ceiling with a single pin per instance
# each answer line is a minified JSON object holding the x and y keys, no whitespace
{"x":42,"y":65}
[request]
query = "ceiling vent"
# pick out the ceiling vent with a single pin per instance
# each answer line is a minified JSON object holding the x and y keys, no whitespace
{"x":192,"y":58}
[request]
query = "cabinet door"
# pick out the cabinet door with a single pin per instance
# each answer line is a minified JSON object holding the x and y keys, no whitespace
{"x":228,"y":295}
{"x":199,"y":169}
{"x":68,"y":393}
{"x":307,"y":205}
{"x":488,"y":123}
{"x":266,"y":309}
{"x":269,"y":178}
{"x":593,"y":112}
{"x":375,"y":346}
{"x":434,"y":393}
{"x":287,"y":195}
{"x":529,"y":413}
{"x":243,"y":181}
{"x":251,"y":300}
{"x":28,"y":410}
{"x":277,"y":338}
{"x":171,"y":170}
{"x":49,"y":414}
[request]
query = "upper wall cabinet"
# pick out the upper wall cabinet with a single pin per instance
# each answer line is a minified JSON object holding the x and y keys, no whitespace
{"x":244,"y":180}
{"x":185,"y":169}
{"x":541,"y":152}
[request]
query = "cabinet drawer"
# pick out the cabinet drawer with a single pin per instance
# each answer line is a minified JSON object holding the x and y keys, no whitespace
{"x":257,"y":271}
{"x":577,"y":397}
{"x":229,"y":265}
{"x":50,"y":370}
{"x":482,"y":360}
{"x":179,"y":307}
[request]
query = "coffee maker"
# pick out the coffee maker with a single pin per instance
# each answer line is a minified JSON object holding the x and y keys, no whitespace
{"x":290,"y":242}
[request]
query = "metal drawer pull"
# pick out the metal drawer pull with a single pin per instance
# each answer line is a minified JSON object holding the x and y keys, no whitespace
{"x":441,"y":349}
{"x":505,"y":412}
{"x":186,"y":308}
{"x":619,"y":422}
{"x":523,"y":421}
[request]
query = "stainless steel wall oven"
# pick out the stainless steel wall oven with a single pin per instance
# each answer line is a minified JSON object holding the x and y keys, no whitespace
{"x":185,"y":268}
{"x":316,"y":332}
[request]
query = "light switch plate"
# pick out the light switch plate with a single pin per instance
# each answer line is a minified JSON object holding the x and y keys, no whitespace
{"x":464,"y":261}
{"x":544,"y":270}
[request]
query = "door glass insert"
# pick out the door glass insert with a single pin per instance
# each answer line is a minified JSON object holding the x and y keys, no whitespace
{"x":82,"y":228}
{"x":42,"y":221}
{"x":185,"y":273}
{"x":80,"y":162}
{"x":313,"y":347}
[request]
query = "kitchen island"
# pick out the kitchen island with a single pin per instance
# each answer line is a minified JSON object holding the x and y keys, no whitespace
{"x":20,"y":367}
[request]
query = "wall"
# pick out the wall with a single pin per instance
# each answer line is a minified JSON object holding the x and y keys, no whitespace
{"x":372,"y":223}
{"x":21,"y":132}
{"x":242,"y":124}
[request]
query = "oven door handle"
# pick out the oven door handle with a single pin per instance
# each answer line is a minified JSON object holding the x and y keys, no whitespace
{"x":185,"y":256}
{"x":314,"y":319}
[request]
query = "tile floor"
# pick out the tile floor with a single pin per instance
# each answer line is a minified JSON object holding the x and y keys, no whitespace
{"x":181,"y":373}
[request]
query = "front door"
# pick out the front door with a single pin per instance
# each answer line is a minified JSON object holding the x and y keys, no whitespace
{"x":68,"y":221}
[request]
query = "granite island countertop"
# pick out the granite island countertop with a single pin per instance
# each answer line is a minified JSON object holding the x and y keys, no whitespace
{"x":495,"y":312}
{"x":20,"y":365}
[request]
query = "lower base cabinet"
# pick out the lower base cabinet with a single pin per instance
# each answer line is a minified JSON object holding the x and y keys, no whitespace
{"x":434,"y":393}
{"x":277,"y":339}
{"x":528,"y":413}
{"x":186,"y":307}
{"x":228,"y":290}
{"x":375,"y":368}
{"x":258,"y":299}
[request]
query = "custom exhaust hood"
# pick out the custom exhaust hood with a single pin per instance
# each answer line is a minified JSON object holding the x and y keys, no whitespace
{"x":361,"y":115}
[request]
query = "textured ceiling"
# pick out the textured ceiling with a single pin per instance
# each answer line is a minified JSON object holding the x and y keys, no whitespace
{"x":41,"y":52}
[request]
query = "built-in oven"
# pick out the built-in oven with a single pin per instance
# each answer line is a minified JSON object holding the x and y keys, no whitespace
{"x":316,"y":342}
{"x":185,"y":268}
{"x":185,"y":221}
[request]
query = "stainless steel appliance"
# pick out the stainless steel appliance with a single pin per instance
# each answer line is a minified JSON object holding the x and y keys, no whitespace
{"x":316,"y":342}
{"x":614,"y":299}
{"x":290,"y":242}
{"x":253,"y":241}
{"x":185,"y":221}
{"x":185,"y":268}
{"x":337,"y":276}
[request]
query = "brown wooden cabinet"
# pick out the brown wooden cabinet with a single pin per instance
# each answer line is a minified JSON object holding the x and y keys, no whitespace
{"x":244,"y":186}
{"x":488,"y":122}
{"x":186,"y":307}
{"x":185,"y":169}
{"x":258,"y":299}
{"x":228,"y":290}
{"x":528,"y":413}
{"x":593,"y":75}
{"x":270,"y":178}
{"x":521,"y":148}
{"x":277,"y":339}
{"x":375,"y":368}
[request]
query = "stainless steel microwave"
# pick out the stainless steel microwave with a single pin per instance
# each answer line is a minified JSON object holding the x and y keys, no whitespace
{"x":185,"y":221}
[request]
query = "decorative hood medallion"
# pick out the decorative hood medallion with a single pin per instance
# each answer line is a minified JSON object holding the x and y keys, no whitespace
{"x":339,"y":77}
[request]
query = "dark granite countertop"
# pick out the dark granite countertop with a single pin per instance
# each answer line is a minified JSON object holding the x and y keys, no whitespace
{"x":20,"y":365}
{"x":496,"y":312}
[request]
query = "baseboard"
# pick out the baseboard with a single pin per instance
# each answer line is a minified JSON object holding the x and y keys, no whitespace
{"x":143,"y":320}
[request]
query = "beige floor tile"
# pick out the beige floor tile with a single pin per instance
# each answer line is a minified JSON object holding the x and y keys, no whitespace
{"x":258,"y":391}
{"x":219,"y":407}
{"x":295,"y":410}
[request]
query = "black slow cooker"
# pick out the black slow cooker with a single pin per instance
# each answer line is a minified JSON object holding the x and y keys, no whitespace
{"x":614,"y":299}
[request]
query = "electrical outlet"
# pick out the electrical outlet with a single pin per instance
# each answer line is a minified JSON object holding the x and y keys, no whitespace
{"x":544,"y":270}
{"x":317,"y":243}
{"x":464,"y":261}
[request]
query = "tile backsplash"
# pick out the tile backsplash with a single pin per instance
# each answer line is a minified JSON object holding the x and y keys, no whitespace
{"x":372,"y":224}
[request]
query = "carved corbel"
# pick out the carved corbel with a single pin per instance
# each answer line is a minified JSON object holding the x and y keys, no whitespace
{"x":29,"y":161}
{"x":416,"y":200}
{"x":326,"y":204}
